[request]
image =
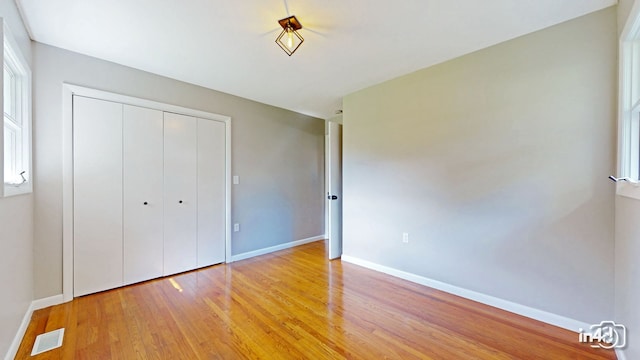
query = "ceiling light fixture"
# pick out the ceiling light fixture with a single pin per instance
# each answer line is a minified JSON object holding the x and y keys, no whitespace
{"x":289,"y":39}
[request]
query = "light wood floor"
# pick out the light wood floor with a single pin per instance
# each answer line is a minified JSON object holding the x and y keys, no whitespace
{"x":293,"y":304}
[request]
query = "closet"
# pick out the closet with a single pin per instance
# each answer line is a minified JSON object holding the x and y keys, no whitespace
{"x":149,"y":190}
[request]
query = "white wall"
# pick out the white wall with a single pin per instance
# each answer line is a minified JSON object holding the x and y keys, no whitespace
{"x":496,"y":164}
{"x":278,"y":155}
{"x":16,"y":227}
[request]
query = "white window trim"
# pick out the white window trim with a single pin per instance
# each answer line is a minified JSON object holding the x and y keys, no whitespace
{"x":628,"y":108}
{"x":10,"y":49}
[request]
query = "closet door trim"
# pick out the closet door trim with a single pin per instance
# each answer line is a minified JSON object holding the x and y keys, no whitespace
{"x":69,"y":91}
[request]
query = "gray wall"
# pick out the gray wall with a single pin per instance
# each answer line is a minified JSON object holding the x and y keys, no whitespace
{"x":496,"y":164}
{"x":627,"y":296}
{"x":16,"y":226}
{"x":627,"y":291}
{"x":278,"y":155}
{"x":624,"y":8}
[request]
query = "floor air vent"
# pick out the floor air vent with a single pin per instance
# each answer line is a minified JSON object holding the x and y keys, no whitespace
{"x":48,"y":341}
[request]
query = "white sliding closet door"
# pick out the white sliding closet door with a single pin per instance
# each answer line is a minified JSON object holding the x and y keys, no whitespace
{"x":180,"y":188}
{"x":143,"y":188}
{"x":97,"y":201}
{"x":211,"y":192}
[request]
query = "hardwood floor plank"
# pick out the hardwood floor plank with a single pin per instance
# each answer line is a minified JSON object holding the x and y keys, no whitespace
{"x":294,"y":304}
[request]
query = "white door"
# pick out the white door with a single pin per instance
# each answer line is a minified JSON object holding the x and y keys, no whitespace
{"x":143,"y":203}
{"x":97,"y":195}
{"x":180,"y":187}
{"x":334,"y":188}
{"x":211,"y":192}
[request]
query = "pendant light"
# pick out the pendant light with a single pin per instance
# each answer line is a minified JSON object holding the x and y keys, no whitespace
{"x":289,"y":39}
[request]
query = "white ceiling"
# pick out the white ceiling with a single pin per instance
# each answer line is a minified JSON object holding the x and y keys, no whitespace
{"x":229,"y":45}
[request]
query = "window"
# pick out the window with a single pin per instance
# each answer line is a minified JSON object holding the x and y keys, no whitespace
{"x":629,"y":146}
{"x":16,"y":130}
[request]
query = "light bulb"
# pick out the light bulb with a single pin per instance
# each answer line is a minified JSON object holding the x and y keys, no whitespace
{"x":290,"y":38}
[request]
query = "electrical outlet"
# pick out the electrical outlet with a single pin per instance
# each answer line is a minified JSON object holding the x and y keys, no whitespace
{"x":236,"y":227}
{"x":405,"y":237}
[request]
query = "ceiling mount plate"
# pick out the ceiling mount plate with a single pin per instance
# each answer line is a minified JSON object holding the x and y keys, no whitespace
{"x":291,"y":20}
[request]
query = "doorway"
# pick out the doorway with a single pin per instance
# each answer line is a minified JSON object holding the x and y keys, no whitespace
{"x":333,"y":171}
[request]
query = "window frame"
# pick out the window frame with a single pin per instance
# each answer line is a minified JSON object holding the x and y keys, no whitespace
{"x":11,"y":54}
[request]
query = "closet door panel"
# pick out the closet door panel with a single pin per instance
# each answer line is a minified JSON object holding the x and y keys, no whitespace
{"x":180,"y":187}
{"x":143,"y":188}
{"x":97,"y":200}
{"x":211,"y":192}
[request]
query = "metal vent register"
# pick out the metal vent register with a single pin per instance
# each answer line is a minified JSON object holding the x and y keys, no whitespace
{"x":48,"y":341}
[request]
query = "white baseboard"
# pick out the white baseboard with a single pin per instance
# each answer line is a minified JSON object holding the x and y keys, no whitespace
{"x":15,"y":344}
{"x":540,"y":315}
{"x":35,"y":305}
{"x":46,"y":302}
{"x":271,"y":249}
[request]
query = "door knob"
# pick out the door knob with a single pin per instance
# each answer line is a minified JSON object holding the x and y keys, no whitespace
{"x":146,"y":203}
{"x":180,"y":201}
